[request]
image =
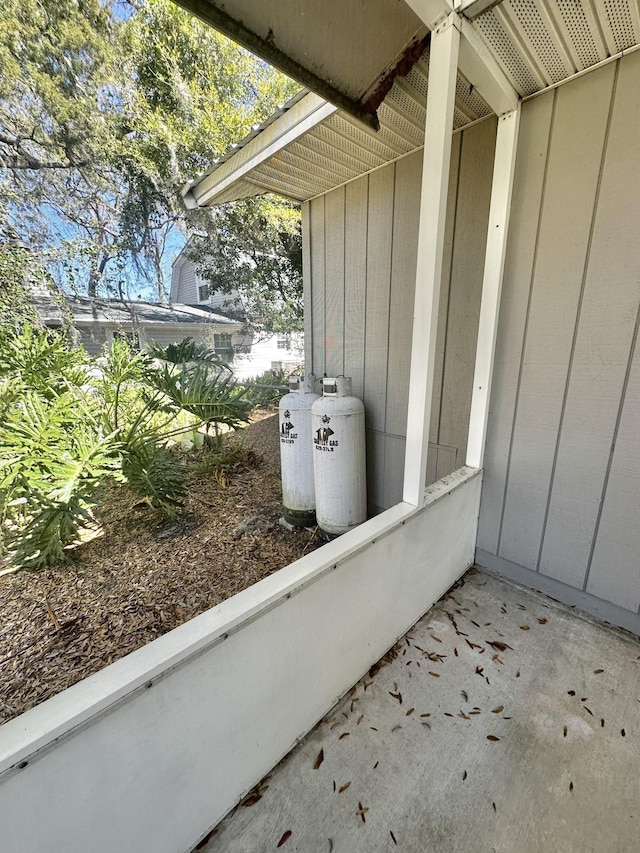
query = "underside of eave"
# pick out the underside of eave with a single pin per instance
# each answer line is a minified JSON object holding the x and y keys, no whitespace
{"x":313,"y":147}
{"x":510,"y":49}
{"x":356,"y":74}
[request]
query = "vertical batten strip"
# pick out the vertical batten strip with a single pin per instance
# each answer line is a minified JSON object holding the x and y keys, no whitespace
{"x":502,"y":185}
{"x":443,"y":62}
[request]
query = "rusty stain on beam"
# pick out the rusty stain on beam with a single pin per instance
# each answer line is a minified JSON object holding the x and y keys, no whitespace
{"x":409,"y":57}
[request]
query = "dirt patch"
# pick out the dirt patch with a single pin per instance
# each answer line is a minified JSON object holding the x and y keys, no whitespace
{"x":143,"y":575}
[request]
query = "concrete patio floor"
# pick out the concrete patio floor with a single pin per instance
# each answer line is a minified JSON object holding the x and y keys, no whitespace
{"x":503,"y":721}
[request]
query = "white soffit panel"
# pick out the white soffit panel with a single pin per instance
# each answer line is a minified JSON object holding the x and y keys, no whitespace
{"x":336,"y":149}
{"x":536,"y":43}
{"x":539,"y":43}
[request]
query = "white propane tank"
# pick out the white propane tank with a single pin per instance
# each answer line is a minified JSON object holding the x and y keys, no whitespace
{"x":339,"y":464}
{"x":296,"y":460}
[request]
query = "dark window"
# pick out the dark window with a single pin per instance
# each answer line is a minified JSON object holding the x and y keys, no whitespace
{"x":203,"y":292}
{"x":130,"y":337}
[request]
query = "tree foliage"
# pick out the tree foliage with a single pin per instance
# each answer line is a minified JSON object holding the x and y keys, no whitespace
{"x":106,"y":109}
{"x":67,"y":425}
{"x":252,"y":251}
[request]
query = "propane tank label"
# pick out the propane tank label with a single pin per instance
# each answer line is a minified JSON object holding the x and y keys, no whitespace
{"x":323,"y":440}
{"x":287,"y":436}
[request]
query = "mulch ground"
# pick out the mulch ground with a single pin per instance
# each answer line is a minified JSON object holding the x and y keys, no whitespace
{"x":144,"y":575}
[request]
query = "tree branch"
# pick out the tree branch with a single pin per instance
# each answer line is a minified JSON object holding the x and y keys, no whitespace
{"x":22,"y":159}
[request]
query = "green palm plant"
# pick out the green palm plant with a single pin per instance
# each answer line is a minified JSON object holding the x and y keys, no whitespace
{"x":65,"y":431}
{"x":210,"y":395}
{"x":52,"y":465}
{"x":143,"y":401}
{"x":187,"y":351}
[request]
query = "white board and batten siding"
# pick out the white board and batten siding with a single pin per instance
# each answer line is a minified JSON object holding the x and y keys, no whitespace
{"x":561,"y":494}
{"x":360,"y":243}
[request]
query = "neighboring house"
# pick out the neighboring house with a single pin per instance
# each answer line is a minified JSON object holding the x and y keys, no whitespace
{"x":98,"y":321}
{"x":470,"y":197}
{"x":254,"y":353}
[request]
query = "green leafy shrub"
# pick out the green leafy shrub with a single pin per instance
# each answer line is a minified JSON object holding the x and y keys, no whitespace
{"x":144,"y":403}
{"x":156,"y":474}
{"x":54,"y":454}
{"x":69,"y":424}
{"x":187,"y":351}
{"x":267,"y":397}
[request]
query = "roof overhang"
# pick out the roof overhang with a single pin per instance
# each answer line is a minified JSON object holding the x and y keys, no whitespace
{"x":312,"y":146}
{"x":234,"y":177}
{"x":509,"y":50}
{"x":294,"y":36}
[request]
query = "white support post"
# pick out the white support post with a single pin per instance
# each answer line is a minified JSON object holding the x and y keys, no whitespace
{"x":443,"y":62}
{"x":503,"y":170}
{"x":431,"y":12}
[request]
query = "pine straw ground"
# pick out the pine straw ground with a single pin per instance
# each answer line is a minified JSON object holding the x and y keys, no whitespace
{"x":143,"y":576}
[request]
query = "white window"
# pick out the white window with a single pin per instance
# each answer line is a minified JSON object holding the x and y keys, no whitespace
{"x":203,"y":292}
{"x":223,"y":346}
{"x":284,"y":342}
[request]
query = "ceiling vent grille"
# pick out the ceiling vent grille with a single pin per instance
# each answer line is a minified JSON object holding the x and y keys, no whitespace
{"x":412,"y":108}
{"x":526,"y":14}
{"x":469,"y":98}
{"x":341,"y":143}
{"x":417,"y":78}
{"x":575,"y":20}
{"x":510,"y":58}
{"x":621,"y":23}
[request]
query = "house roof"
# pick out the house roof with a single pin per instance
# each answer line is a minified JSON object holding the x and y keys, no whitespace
{"x":86,"y":310}
{"x":311,"y":146}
